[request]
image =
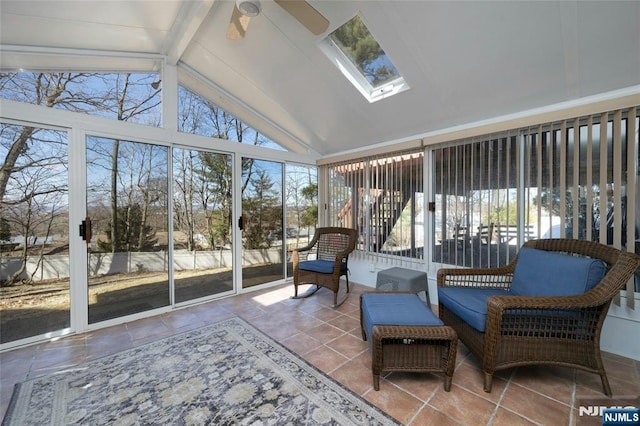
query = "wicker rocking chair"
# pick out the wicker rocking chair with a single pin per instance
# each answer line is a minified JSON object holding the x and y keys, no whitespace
{"x":332,"y":246}
{"x":539,"y":330}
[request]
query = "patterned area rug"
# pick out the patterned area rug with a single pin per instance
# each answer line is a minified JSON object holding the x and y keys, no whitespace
{"x":225,"y":374}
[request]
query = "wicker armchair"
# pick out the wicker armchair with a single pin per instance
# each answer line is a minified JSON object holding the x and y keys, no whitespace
{"x":332,"y":246}
{"x":540,"y":330}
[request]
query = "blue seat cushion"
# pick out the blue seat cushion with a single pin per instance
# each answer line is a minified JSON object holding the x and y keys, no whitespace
{"x":395,"y":309}
{"x":470,"y":304}
{"x":545,"y":273}
{"x":320,"y":266}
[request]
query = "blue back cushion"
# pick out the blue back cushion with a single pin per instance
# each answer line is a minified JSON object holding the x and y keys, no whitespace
{"x":545,"y":273}
{"x":395,"y":309}
{"x":470,"y":304}
{"x":321,"y":266}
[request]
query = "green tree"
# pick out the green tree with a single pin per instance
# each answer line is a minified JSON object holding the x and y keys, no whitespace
{"x":216,"y":175}
{"x":264,"y":210}
{"x":359,"y":45}
{"x":309,"y":217}
{"x":131,"y":225}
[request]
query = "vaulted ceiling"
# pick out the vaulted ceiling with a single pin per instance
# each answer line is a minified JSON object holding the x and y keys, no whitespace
{"x":464,"y":61}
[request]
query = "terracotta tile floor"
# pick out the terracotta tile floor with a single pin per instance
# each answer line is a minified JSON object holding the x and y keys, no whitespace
{"x":330,"y":339}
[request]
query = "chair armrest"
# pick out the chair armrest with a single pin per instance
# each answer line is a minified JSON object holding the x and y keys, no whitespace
{"x":503,"y":303}
{"x":541,"y":317}
{"x":306,"y":248}
{"x":476,"y":277}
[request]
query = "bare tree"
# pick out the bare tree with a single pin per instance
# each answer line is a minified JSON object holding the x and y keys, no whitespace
{"x":114,"y":95}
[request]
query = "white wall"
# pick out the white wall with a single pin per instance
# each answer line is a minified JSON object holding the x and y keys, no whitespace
{"x":621,"y":329}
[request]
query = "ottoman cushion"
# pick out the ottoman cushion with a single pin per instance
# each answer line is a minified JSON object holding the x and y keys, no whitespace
{"x":395,"y":309}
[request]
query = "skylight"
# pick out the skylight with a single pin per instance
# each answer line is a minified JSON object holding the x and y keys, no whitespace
{"x":357,"y":54}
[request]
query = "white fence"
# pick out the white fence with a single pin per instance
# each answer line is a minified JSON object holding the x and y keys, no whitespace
{"x":57,"y":266}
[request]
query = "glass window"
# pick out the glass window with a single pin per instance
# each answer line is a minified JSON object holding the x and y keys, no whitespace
{"x":360,"y":58}
{"x":132,"y":97}
{"x":202,"y":223}
{"x":199,"y":116}
{"x":127,"y":204}
{"x":34,"y":232}
{"x":476,"y":210}
{"x":383,"y":198}
{"x":301,"y":207}
{"x":568,"y":179}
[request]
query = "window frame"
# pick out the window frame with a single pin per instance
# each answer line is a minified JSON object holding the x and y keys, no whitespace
{"x":346,"y":66}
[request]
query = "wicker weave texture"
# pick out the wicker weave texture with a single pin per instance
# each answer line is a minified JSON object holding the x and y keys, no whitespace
{"x":406,"y":348}
{"x":526,"y":330}
{"x":328,"y":243}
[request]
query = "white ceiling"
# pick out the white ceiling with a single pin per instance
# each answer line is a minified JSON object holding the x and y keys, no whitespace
{"x":464,"y":61}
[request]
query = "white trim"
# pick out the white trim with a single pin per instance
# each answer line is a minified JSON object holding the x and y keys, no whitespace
{"x":16,"y":57}
{"x":78,"y":271}
{"x":338,"y":57}
{"x":39,"y":50}
{"x":351,"y":73}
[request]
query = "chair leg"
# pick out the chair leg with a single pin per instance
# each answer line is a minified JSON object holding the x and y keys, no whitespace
{"x":347,"y":279}
{"x":376,"y":381}
{"x":605,"y":383}
{"x":306,"y":294}
{"x":488,"y":381}
{"x":447,"y":383}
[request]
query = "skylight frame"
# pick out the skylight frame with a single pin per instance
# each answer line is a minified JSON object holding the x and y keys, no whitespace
{"x":336,"y":55}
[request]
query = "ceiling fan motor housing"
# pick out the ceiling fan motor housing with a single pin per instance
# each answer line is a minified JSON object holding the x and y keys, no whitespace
{"x":249,"y":8}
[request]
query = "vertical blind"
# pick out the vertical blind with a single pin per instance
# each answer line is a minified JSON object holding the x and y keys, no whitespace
{"x":575,"y":178}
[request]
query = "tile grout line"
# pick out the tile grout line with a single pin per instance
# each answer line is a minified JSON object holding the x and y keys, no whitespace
{"x":504,"y":392}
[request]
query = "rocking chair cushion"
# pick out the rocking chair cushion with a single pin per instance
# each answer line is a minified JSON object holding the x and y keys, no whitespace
{"x":544,"y":273}
{"x":320,"y":266}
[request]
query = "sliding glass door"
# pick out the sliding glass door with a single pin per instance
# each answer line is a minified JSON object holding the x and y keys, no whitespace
{"x":126,"y":227}
{"x":263,"y":236}
{"x":202,"y":224}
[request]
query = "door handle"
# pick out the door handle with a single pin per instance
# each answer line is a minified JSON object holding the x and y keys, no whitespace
{"x":85,"y":229}
{"x":240,"y":223}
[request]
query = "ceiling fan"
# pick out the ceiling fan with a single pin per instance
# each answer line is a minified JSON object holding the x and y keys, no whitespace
{"x":244,"y":10}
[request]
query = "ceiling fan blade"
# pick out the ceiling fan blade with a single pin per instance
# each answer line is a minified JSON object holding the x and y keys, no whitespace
{"x":237,"y":25}
{"x":306,"y":15}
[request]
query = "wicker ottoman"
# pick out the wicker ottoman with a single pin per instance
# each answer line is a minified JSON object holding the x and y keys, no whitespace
{"x":406,"y":336}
